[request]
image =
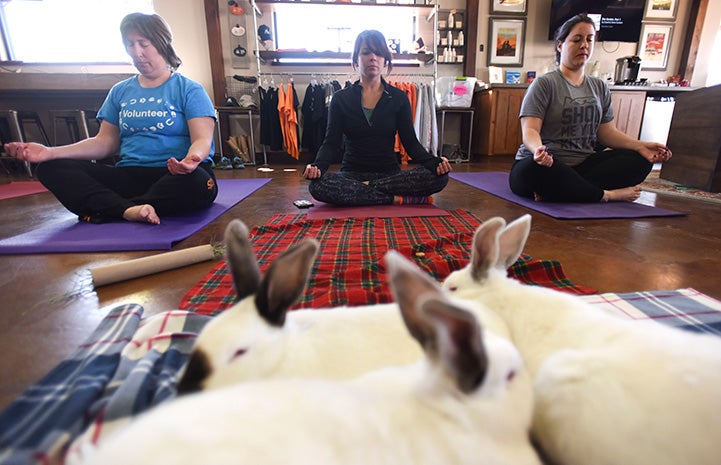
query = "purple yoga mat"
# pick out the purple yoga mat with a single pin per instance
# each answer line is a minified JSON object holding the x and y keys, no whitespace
{"x":497,"y":184}
{"x":71,"y":235}
{"x":324,"y":211}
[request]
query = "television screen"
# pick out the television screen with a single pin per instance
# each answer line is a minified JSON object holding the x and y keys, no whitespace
{"x":616,"y":20}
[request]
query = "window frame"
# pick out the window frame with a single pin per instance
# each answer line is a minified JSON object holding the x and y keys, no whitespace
{"x":9,"y":56}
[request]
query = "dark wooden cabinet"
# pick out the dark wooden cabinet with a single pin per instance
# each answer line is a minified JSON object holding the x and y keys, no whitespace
{"x":497,"y":129}
{"x":695,"y":139}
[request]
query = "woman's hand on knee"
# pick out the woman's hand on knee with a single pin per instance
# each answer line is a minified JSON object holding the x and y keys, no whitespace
{"x":655,"y":152}
{"x":28,"y":151}
{"x":311,"y":172}
{"x":185,"y":166}
{"x":444,"y":167}
{"x":542,"y":157}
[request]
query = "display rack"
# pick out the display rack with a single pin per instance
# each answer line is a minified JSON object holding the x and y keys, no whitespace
{"x":450,"y":38}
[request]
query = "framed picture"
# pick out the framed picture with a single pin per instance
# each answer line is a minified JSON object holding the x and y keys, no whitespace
{"x":654,"y":45}
{"x":661,"y":10}
{"x":506,"y":39}
{"x":509,"y":7}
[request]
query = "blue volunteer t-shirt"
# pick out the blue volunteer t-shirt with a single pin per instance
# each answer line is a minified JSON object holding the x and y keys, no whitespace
{"x":154,"y":122}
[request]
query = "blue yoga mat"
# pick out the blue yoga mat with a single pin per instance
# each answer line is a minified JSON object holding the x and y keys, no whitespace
{"x":71,"y":235}
{"x":496,"y":183}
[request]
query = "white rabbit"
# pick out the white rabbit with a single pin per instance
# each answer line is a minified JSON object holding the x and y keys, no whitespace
{"x":259,"y":338}
{"x":452,"y":407}
{"x":607,"y":390}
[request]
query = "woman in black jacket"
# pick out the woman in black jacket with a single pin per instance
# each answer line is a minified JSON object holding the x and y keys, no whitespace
{"x":369,"y":113}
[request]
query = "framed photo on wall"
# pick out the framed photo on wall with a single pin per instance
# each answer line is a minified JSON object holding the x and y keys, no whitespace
{"x":509,"y":7}
{"x":661,"y":10}
{"x":654,"y":45}
{"x":506,"y":40}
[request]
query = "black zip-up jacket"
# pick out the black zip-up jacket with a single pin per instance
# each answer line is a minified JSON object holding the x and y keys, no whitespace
{"x":369,"y":145}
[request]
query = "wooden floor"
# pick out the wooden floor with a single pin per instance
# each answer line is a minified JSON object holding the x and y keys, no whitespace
{"x":49,"y":305}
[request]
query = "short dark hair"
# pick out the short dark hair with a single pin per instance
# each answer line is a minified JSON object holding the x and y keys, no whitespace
{"x":156,"y":30}
{"x":376,"y":42}
{"x":565,"y":29}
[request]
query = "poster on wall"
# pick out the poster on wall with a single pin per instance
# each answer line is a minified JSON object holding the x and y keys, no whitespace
{"x":509,"y":7}
{"x":654,"y":45}
{"x":506,"y":39}
{"x":661,"y":10}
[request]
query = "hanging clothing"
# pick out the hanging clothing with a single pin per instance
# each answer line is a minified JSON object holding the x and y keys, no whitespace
{"x":271,"y":133}
{"x":315,"y":114}
{"x":288,"y":120}
{"x":411,"y":93}
{"x":425,"y":124}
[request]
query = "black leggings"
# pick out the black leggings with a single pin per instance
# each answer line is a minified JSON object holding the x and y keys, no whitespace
{"x":348,"y":188}
{"x":98,"y":192}
{"x":583,"y":183}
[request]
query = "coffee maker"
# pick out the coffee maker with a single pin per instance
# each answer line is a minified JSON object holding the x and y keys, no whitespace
{"x":627,"y":70}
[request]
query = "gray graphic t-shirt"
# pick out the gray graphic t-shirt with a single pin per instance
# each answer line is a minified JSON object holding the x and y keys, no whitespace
{"x":571,"y":115}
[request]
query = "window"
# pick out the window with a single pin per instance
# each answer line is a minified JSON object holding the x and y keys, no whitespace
{"x":66,"y":31}
{"x":318,"y":28}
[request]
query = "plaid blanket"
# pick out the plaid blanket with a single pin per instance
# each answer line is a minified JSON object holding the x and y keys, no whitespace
{"x":130,"y":364}
{"x":350,"y":270}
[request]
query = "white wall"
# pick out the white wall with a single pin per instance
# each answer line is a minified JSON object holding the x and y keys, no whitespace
{"x":540,"y":53}
{"x":708,"y":37}
{"x":190,"y":38}
{"x":187,"y":21}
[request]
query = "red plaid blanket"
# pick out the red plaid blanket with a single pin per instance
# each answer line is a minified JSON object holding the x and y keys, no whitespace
{"x":350,"y":270}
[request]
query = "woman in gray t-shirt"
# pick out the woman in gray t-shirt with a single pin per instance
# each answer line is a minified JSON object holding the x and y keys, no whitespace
{"x":567,"y":120}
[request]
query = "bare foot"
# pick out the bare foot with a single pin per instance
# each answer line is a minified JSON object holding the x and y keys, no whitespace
{"x":627,"y":194}
{"x":142,"y":214}
{"x":537,"y":198}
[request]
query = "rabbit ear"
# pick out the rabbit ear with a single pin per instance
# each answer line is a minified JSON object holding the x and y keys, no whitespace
{"x":408,"y":283}
{"x":512,"y":240}
{"x":484,"y":253}
{"x":459,"y":343}
{"x":285,"y":281}
{"x":241,"y":259}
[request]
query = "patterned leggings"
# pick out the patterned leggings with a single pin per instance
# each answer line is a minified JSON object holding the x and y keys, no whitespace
{"x":350,"y":188}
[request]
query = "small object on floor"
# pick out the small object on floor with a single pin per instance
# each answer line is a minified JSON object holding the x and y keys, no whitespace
{"x":238,"y":163}
{"x":303,"y":203}
{"x":413,"y":200}
{"x":224,"y":164}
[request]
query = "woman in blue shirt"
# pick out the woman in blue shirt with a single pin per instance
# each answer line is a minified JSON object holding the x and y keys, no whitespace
{"x":162,"y":125}
{"x":363,"y":120}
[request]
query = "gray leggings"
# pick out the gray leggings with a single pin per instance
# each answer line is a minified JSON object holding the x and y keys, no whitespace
{"x":348,"y":187}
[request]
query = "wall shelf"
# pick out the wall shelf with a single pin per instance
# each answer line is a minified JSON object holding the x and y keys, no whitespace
{"x":457,"y":31}
{"x":279,"y":57}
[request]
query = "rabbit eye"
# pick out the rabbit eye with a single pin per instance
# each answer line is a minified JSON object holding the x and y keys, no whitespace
{"x":238,"y":353}
{"x":510,"y":376}
{"x":453,"y":288}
